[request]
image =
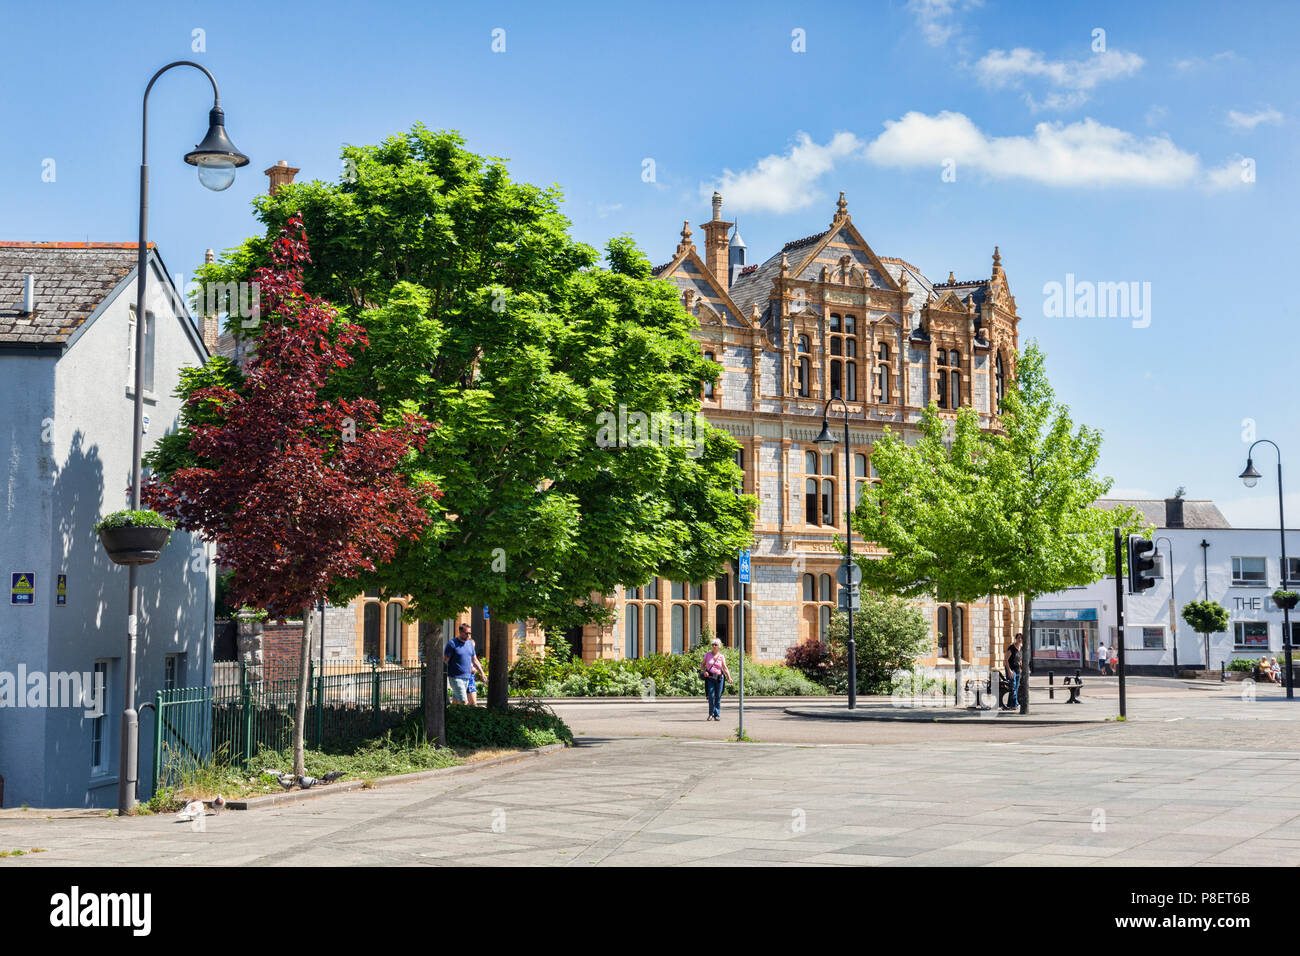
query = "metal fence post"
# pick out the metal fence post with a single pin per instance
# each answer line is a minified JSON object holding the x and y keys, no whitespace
{"x":246,"y":702}
{"x":374,"y":692}
{"x":157,"y":739}
{"x":318,"y":686}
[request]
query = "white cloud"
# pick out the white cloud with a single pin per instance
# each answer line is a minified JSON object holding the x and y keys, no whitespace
{"x":1248,"y":121}
{"x":1156,"y":115}
{"x":1084,"y":153}
{"x":1235,"y":173}
{"x":1197,"y":62}
{"x":1072,"y":79}
{"x":784,"y":183}
{"x":938,"y":19}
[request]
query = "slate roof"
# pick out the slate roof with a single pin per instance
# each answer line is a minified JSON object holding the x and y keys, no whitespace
{"x":71,"y":280}
{"x":1196,"y":514}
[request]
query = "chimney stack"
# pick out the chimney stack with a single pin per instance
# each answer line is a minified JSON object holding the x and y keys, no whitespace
{"x":1174,"y":513}
{"x":717,"y":243}
{"x":281,"y":174}
{"x":211,"y":328}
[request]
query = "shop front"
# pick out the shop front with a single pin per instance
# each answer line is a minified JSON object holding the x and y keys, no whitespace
{"x":1064,"y":638}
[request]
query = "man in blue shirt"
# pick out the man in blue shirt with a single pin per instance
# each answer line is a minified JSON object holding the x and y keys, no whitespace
{"x":462,"y":664}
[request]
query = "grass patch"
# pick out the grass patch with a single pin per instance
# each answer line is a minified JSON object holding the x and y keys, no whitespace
{"x":473,"y":734}
{"x":35,"y":849}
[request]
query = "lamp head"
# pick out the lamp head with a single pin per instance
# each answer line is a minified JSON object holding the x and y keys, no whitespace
{"x":825,"y":438}
{"x":1249,"y":477}
{"x":216,"y":157}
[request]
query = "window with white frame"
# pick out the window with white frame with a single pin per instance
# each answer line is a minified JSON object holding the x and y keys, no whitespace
{"x":1250,"y":636}
{"x":1153,"y":638}
{"x":99,"y":744}
{"x":1292,"y":573}
{"x":1249,"y":572}
{"x":149,"y":335}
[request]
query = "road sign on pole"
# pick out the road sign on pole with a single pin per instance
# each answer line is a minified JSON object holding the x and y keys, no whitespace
{"x":744,"y":566}
{"x":849,"y":575}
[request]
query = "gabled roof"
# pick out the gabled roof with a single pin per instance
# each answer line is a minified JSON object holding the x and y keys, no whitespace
{"x":1196,"y":514}
{"x":71,"y":280}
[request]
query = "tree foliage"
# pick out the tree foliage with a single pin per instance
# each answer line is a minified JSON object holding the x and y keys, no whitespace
{"x":485,"y":316}
{"x":1205,"y":617}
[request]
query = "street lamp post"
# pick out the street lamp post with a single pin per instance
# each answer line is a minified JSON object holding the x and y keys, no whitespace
{"x":1250,"y":477}
{"x":1173,"y":621}
{"x":216,"y":159}
{"x":826,"y":439}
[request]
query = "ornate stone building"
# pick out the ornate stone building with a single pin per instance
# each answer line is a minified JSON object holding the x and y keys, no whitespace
{"x":824,"y":317}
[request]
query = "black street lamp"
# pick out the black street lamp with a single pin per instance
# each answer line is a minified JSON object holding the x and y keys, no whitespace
{"x":826,"y":439}
{"x":1250,"y":477}
{"x":216,"y":159}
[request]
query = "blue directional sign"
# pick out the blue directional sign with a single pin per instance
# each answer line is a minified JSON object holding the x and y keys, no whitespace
{"x":744,"y":567}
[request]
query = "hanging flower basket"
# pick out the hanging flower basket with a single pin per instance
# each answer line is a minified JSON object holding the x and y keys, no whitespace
{"x":134,"y":537}
{"x":1286,"y":600}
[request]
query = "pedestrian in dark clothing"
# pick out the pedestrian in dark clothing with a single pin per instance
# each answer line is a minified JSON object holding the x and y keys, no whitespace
{"x":1014,"y":655}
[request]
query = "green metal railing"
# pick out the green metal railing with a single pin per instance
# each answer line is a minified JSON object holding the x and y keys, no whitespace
{"x":229,"y":723}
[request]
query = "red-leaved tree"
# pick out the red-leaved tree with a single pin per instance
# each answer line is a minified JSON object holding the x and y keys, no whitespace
{"x":297,"y":491}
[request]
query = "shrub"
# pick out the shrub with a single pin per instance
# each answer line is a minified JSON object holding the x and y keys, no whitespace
{"x":526,"y":723}
{"x":1241,"y":663}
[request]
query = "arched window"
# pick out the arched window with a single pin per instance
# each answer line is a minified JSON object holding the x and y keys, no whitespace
{"x":678,"y":628}
{"x":941,"y":634}
{"x":708,"y":385}
{"x":958,"y":635}
{"x":722,"y":624}
{"x":370,"y":631}
{"x":809,"y":588}
{"x":883,"y":351}
{"x":828,"y":502}
{"x":722,"y":587}
{"x":955,"y":379}
{"x":954,"y":359}
{"x":824,"y":622}
{"x":882,"y":383}
{"x":631,"y":634}
{"x":826,"y":589}
{"x":650,"y":633}
{"x":810,"y":463}
{"x":697,"y":625}
{"x":393,"y":632}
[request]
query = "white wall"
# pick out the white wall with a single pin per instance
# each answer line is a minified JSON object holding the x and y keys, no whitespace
{"x":1151,"y":608}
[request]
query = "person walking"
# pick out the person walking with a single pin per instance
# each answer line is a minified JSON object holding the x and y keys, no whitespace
{"x":462,"y":664}
{"x":1014,"y":653}
{"x":1103,"y":658}
{"x":715,"y":672}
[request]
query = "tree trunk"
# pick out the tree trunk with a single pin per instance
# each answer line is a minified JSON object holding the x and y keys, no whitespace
{"x":957,"y":635}
{"x":435,"y":682}
{"x":1027,"y":631}
{"x":498,"y":663}
{"x":300,"y":704}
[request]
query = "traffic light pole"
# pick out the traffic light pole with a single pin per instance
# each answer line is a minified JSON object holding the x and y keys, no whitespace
{"x":1119,"y":615}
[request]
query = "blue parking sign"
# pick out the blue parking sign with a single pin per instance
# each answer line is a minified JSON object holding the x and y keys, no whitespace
{"x":744,"y":566}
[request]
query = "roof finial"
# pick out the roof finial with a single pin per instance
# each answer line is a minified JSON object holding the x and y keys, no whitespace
{"x":951,"y":278}
{"x":997,"y":261}
{"x":785,"y":264}
{"x":841,"y":208}
{"x":686,"y":236}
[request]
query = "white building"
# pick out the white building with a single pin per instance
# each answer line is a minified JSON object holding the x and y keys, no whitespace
{"x":67,"y":389}
{"x":1238,"y":567}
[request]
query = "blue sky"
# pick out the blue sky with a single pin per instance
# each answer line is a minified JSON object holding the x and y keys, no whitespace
{"x":1112,"y":158}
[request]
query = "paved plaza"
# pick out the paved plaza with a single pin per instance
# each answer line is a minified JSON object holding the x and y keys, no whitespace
{"x":1197,"y":776}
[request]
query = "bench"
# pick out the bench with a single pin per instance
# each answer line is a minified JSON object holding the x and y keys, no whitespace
{"x":1073,"y":684}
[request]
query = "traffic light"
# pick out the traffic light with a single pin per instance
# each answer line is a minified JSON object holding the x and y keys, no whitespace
{"x":1141,"y":564}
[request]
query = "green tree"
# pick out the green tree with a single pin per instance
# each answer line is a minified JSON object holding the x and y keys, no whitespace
{"x":890,"y":633}
{"x":931,"y":511}
{"x":486,"y":317}
{"x":1206,"y":618}
{"x":1046,"y":533}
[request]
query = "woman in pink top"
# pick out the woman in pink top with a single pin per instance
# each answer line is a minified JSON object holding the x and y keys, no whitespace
{"x":715,"y":672}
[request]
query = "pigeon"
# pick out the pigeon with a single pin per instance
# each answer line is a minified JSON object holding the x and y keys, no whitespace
{"x":217,"y":804}
{"x":273,"y":773}
{"x":192,"y":811}
{"x":307,"y":782}
{"x":285,"y":780}
{"x":332,"y":776}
